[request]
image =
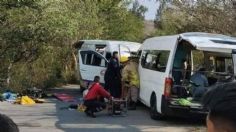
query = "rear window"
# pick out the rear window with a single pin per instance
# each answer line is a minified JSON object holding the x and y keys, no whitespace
{"x":155,"y":60}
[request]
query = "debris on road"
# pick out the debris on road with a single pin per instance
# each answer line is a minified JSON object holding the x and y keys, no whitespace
{"x":9,"y":97}
{"x":65,"y":97}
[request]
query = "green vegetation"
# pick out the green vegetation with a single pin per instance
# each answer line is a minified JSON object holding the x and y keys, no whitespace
{"x":36,"y":36}
{"x":215,"y":16}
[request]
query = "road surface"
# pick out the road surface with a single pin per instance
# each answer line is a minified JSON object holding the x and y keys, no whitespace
{"x":50,"y":117}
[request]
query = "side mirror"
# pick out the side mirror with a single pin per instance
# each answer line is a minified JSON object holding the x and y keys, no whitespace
{"x":234,"y":60}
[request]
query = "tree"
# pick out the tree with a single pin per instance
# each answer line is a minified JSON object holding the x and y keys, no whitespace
{"x":162,"y":6}
{"x":36,"y":36}
{"x":201,"y":15}
{"x":139,"y":10}
{"x":120,"y":23}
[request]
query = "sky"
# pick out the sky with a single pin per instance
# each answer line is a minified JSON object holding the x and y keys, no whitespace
{"x":152,"y":6}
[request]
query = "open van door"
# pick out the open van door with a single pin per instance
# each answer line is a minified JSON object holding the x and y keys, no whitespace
{"x":92,"y":63}
{"x":234,"y":60}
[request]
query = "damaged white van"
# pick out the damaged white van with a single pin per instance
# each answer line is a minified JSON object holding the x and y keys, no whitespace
{"x":168,"y":66}
{"x":93,"y":56}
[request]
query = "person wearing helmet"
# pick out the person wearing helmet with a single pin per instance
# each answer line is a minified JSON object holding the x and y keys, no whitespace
{"x":130,"y":81}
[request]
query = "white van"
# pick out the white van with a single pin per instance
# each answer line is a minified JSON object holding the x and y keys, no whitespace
{"x":93,"y":57}
{"x":163,"y":80}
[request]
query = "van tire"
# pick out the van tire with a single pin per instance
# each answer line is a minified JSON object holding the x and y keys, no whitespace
{"x":155,"y":115}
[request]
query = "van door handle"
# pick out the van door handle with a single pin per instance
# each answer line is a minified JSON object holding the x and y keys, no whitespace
{"x":83,"y":70}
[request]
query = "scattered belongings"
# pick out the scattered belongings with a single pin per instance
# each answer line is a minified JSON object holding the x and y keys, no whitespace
{"x":35,"y":92}
{"x":39,"y":101}
{"x":25,"y":100}
{"x":48,"y":95}
{"x":64,"y":97}
{"x":9,"y":96}
{"x":16,"y":99}
{"x":79,"y":107}
{"x":183,"y":102}
{"x":73,"y":106}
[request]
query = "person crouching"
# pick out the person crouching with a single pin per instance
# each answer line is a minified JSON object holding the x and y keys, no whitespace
{"x":94,"y":99}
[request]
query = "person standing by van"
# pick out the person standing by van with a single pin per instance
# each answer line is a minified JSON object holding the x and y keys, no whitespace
{"x":113,"y":76}
{"x":130,"y":80}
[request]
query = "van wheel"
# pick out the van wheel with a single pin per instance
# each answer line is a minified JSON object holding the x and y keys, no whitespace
{"x":153,"y":109}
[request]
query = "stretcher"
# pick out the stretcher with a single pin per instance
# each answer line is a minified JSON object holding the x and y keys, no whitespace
{"x":117,"y":107}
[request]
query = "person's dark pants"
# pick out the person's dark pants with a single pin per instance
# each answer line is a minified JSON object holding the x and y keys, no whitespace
{"x":114,"y":87}
{"x":94,"y":105}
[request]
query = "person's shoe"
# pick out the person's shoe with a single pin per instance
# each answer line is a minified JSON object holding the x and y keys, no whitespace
{"x":87,"y":112}
{"x":92,"y":115}
{"x":132,"y":106}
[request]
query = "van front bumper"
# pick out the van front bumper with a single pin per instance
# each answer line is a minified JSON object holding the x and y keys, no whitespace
{"x":169,"y":109}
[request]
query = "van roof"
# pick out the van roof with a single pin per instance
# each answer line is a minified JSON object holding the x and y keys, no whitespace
{"x":107,"y":42}
{"x":134,"y":46}
{"x":161,"y":43}
{"x":202,"y":41}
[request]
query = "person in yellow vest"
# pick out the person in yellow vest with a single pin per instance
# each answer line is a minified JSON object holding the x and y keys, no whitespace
{"x":130,"y":82}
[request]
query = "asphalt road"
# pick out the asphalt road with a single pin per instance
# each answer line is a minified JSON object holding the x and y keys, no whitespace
{"x":50,"y":117}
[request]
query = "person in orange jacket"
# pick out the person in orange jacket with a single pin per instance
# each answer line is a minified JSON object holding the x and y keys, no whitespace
{"x":92,"y":99}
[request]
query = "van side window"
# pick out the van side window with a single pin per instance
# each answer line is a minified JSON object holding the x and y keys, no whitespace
{"x":108,"y":55}
{"x":139,"y":53}
{"x":90,"y":58}
{"x":143,"y":58}
{"x":155,"y":60}
{"x":100,"y":48}
{"x":96,"y":60}
{"x":83,"y":58}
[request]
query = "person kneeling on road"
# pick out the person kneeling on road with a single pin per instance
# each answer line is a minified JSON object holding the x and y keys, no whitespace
{"x":94,"y":99}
